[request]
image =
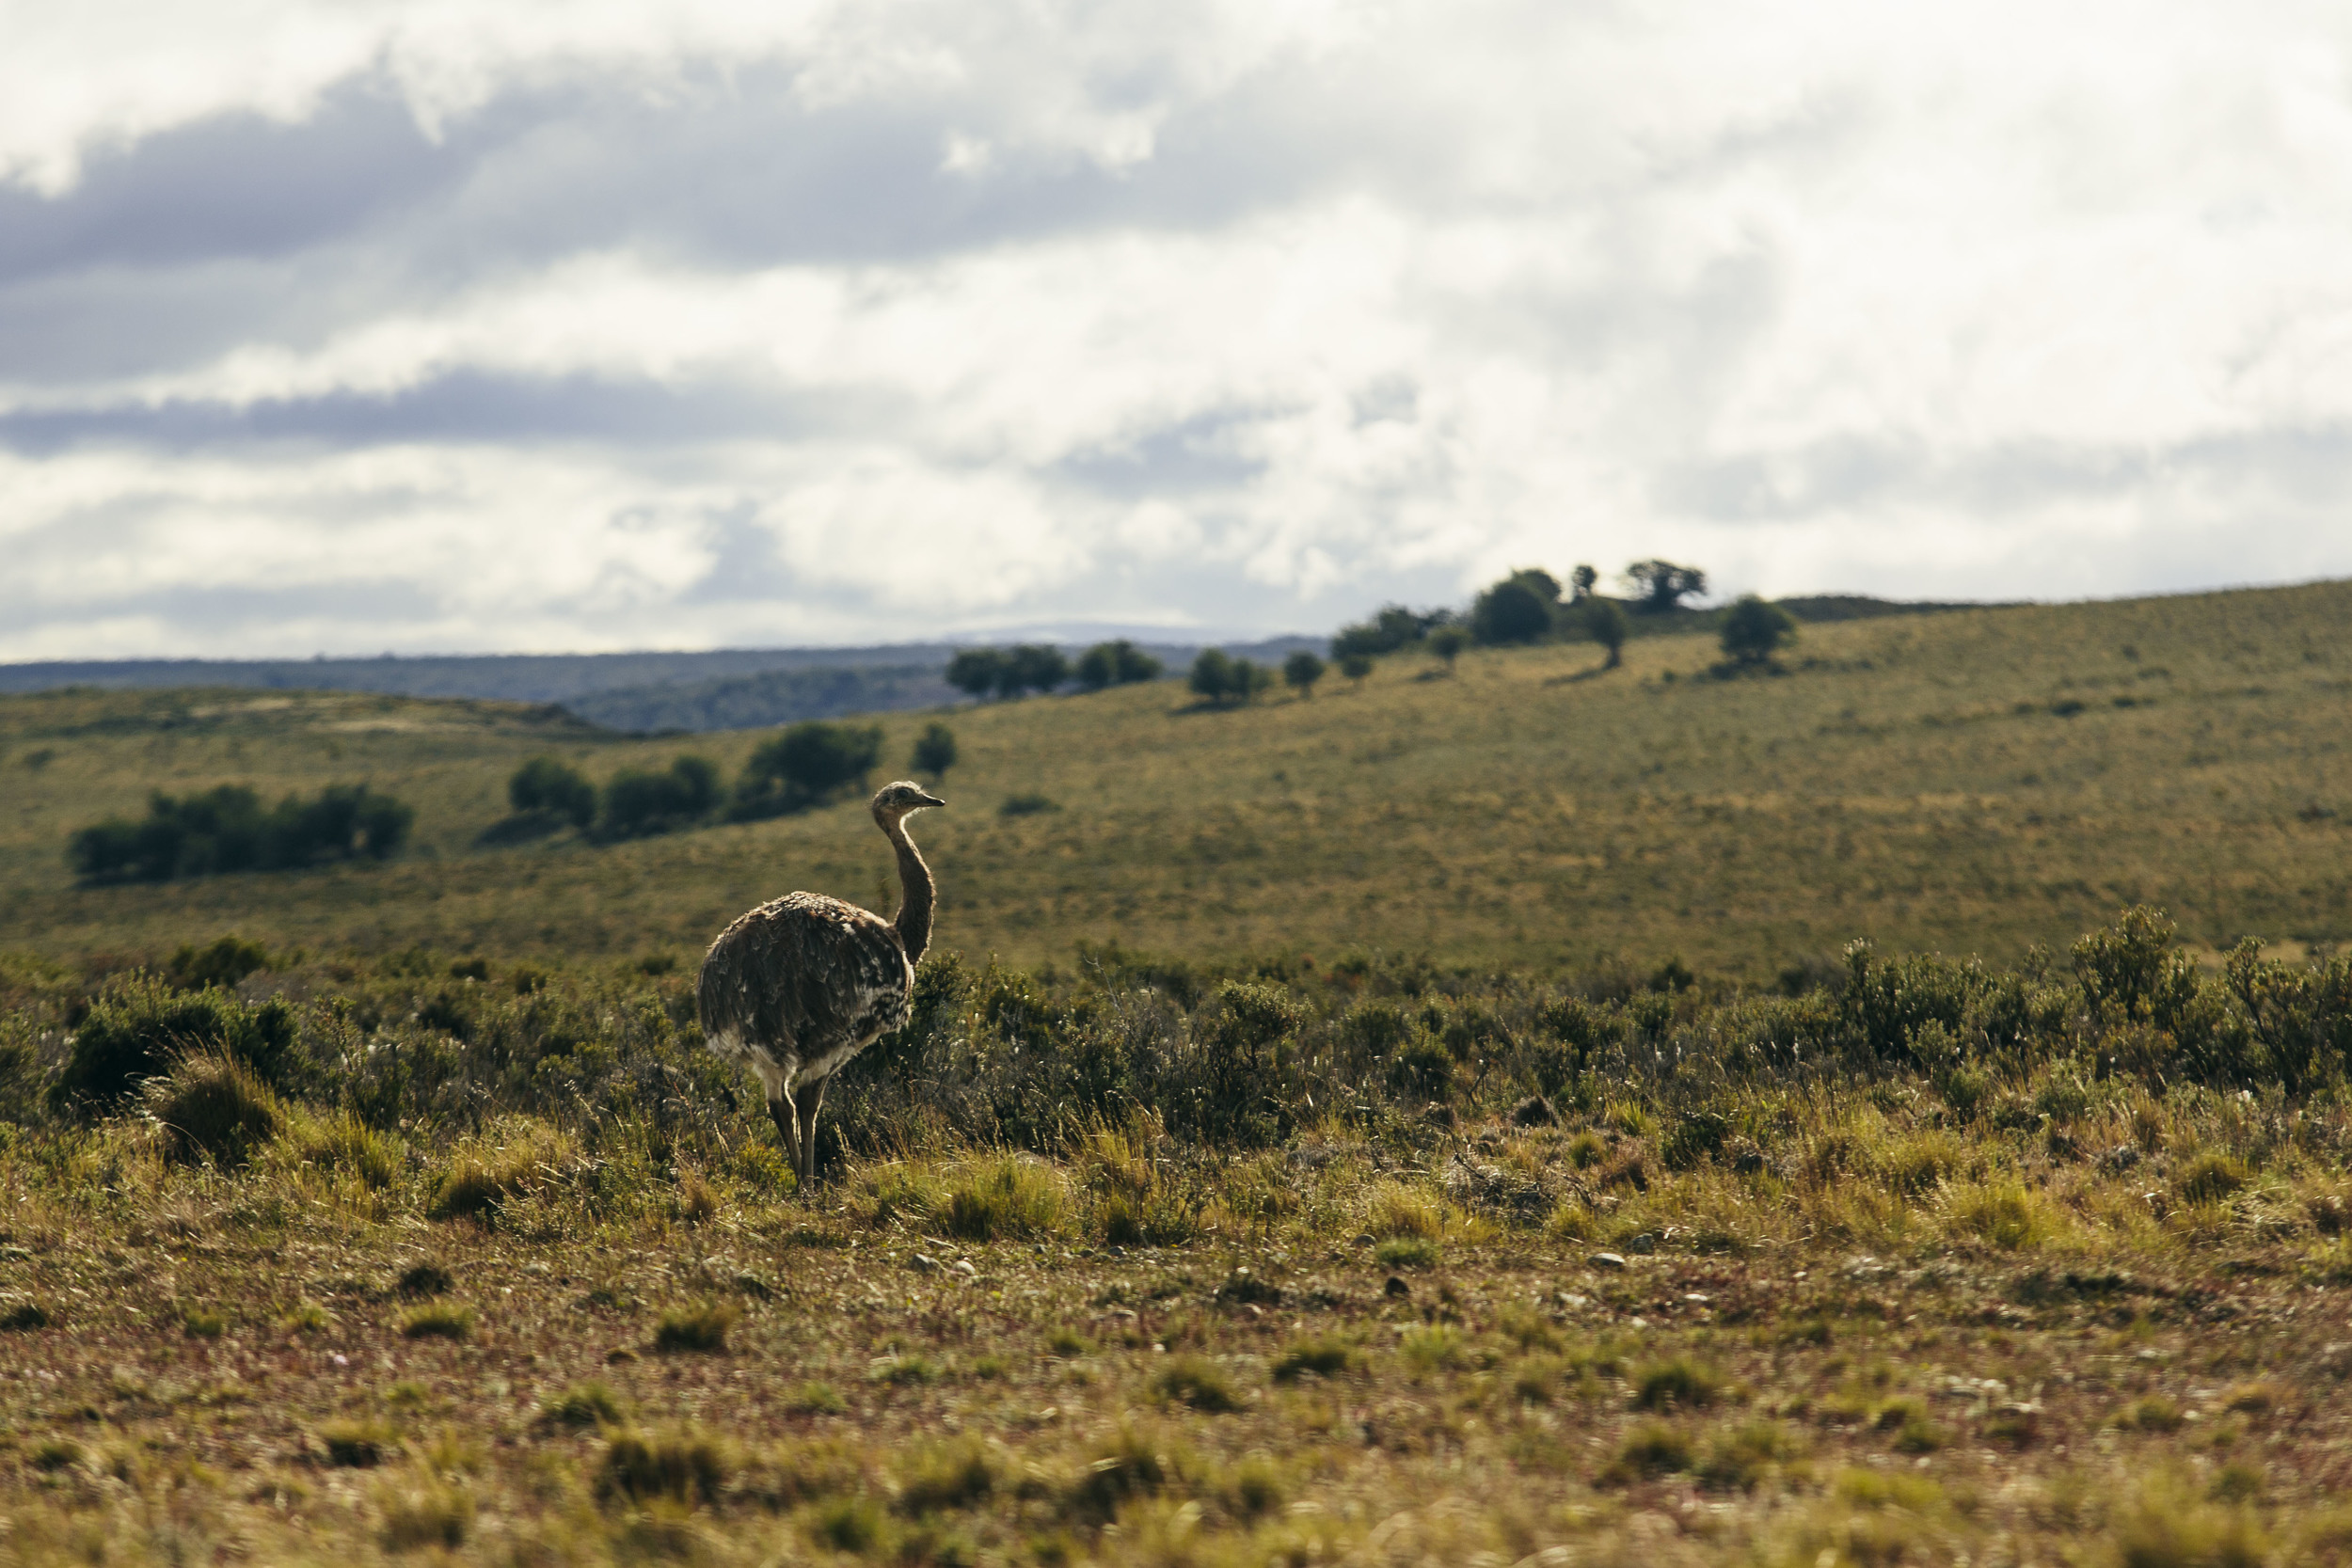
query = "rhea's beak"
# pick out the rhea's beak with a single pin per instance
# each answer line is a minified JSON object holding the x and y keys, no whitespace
{"x":931,"y":801}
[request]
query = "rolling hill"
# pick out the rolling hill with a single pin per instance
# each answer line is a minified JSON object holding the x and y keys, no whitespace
{"x":1975,"y":781}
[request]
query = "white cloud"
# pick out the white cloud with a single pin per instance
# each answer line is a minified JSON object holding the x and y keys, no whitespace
{"x":703,"y":323}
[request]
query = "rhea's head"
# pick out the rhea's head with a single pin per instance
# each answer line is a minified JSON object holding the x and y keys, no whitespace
{"x":895,"y":802}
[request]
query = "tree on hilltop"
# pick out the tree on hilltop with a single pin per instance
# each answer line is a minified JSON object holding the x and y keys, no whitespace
{"x":1663,"y":585}
{"x":1604,"y":620}
{"x":1301,"y":671}
{"x":1753,"y":630}
{"x":1518,"y":609}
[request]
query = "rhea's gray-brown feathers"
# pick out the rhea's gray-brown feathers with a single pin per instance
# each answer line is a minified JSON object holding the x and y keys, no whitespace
{"x":800,"y":985}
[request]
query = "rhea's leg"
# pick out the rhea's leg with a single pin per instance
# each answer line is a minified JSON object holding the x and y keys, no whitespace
{"x":808,"y":1132}
{"x":787,"y":1118}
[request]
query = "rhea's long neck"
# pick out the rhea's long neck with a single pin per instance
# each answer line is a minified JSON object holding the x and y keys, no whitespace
{"x":915,"y":894}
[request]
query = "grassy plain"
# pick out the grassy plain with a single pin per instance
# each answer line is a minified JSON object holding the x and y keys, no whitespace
{"x":1977,"y":781}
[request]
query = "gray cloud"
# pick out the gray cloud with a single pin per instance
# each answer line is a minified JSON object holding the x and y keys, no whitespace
{"x":927,"y":318}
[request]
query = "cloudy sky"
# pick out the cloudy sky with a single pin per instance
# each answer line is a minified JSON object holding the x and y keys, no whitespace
{"x":449,"y":327}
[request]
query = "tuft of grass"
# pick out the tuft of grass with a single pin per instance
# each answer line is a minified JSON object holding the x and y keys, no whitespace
{"x":697,"y":1203}
{"x":1406,"y":1252}
{"x":583,"y":1405}
{"x":1653,"y":1449}
{"x":2153,"y":1412}
{"x":1068,"y":1342}
{"x":212,"y":1107}
{"x":1434,"y":1347}
{"x":683,"y":1466}
{"x":55,"y":1453}
{"x":1740,"y":1459}
{"x":2009,"y":1215}
{"x":1197,"y":1381}
{"x":1322,"y":1356}
{"x":1006,"y":1196}
{"x":23,"y":1317}
{"x":428,"y":1515}
{"x":815,"y":1399}
{"x":1679,"y":1384}
{"x":342,"y":1142}
{"x":513,"y":1156}
{"x":1395,"y":1211}
{"x":697,"y":1330}
{"x":438,"y":1321}
{"x":2209,"y":1178}
{"x":2163,"y":1530}
{"x":305,"y":1318}
{"x":424,"y":1280}
{"x":203,"y":1323}
{"x":851,"y":1526}
{"x":354,"y":1445}
{"x":953,"y":1475}
{"x":902,"y":1371}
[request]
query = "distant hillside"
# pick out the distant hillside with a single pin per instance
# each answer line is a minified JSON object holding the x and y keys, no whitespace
{"x":1972,"y":782}
{"x":774,"y":697}
{"x":729,"y":689}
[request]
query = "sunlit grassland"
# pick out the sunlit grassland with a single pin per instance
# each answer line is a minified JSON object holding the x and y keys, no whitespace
{"x":1966,"y":782}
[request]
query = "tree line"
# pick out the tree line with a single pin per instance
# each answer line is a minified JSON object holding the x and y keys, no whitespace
{"x":1039,"y":667}
{"x":802,"y":767}
{"x":214,"y":831}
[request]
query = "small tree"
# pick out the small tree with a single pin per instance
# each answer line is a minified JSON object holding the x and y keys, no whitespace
{"x":1356,"y":667}
{"x":1118,"y":663}
{"x":1663,"y":585}
{"x":1212,"y":674}
{"x":807,"y":765}
{"x":975,"y":672}
{"x":636,"y":804}
{"x":1754,"y":630}
{"x":1249,"y":678}
{"x":1031,"y":667}
{"x":1302,"y":669}
{"x":1512,"y":611}
{"x":1605,"y":620}
{"x":554,"y":786}
{"x":1447,"y":643}
{"x":1580,"y":583}
{"x":936,"y":749}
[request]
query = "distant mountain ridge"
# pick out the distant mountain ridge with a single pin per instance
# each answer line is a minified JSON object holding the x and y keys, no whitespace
{"x":725,"y":688}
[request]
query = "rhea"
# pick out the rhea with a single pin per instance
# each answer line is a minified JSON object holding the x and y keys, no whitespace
{"x":800,"y":985}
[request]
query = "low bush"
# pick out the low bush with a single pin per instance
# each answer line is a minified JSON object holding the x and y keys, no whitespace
{"x":139,"y":1026}
{"x":1676,"y":1384}
{"x":512,"y":1157}
{"x":1318,"y":1356}
{"x":438,"y":1322}
{"x":1006,"y":1196}
{"x":948,"y":1475}
{"x":1196,"y":1381}
{"x":228,"y":829}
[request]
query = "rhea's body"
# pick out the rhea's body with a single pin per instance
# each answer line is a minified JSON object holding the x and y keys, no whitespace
{"x":798,"y":986}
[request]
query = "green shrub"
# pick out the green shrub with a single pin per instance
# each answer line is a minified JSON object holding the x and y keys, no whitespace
{"x":227,"y":829}
{"x":807,"y":765}
{"x":936,"y":749}
{"x":52,"y":1454}
{"x":139,"y":1026}
{"x":23,"y":1317}
{"x":224,"y":964}
{"x":213,"y":1108}
{"x":203,"y":1323}
{"x":639,"y":805}
{"x":550,"y":785}
{"x":1117,"y":663}
{"x":1740,"y":1459}
{"x":698,"y":1330}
